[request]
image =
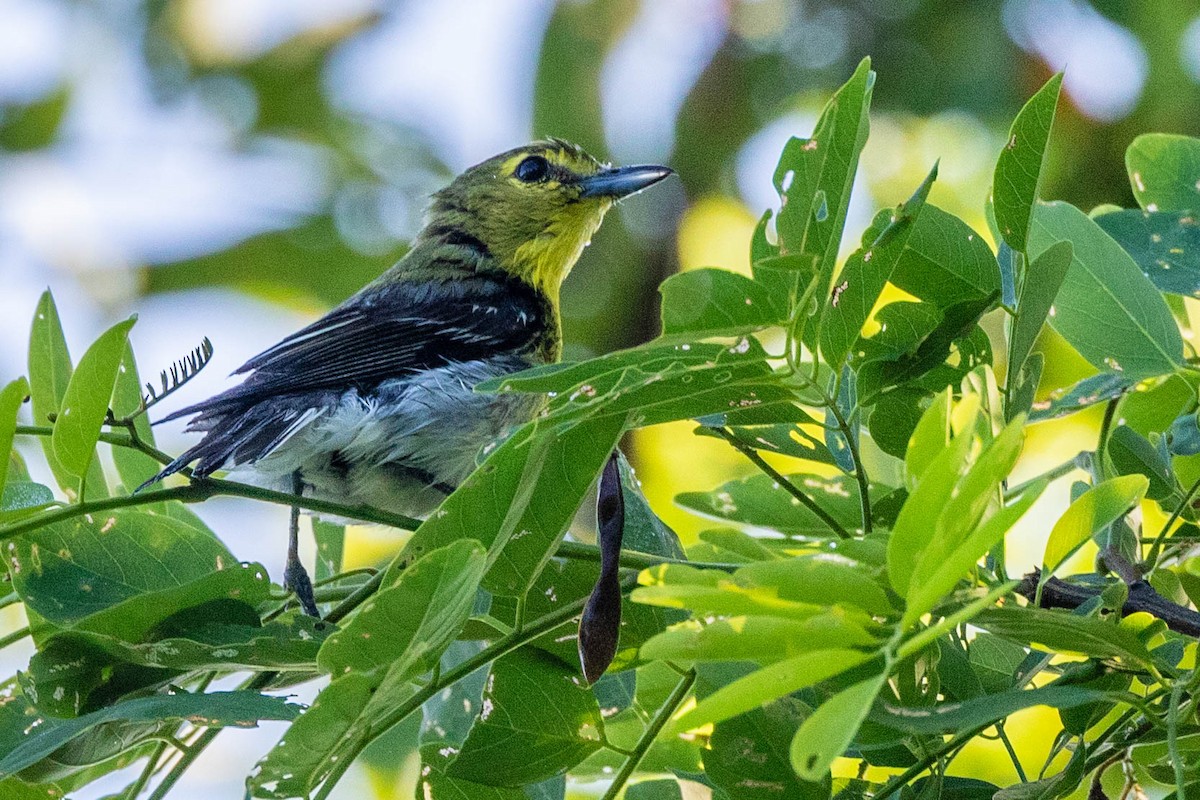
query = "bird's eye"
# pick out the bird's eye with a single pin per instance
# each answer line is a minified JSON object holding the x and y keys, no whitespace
{"x":532,"y":169}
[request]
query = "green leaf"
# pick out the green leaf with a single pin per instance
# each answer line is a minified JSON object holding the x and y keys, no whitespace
{"x":1164,"y":171}
{"x":1019,"y":168}
{"x":573,"y":460}
{"x":1084,"y":394}
{"x":331,"y":544}
{"x":1131,"y":454}
{"x":1043,"y":278}
{"x":22,"y":499}
{"x":945,"y":262}
{"x":86,"y":400}
{"x":954,"y":717}
{"x":762,"y":639}
{"x":865,"y":273}
{"x":1093,"y":511}
{"x":934,"y":578}
{"x":215,"y":710}
{"x":717,"y":302}
{"x":134,"y":466}
{"x":11,"y":398}
{"x":68,"y":570}
{"x":814,"y":178}
{"x":537,"y":720}
{"x":828,"y":732}
{"x":1164,"y":244}
{"x":1061,"y":632}
{"x":820,"y":578}
{"x":435,"y":784}
{"x":49,"y":373}
{"x":759,"y":501}
{"x":315,"y":741}
{"x":1139,"y":337}
{"x":14,"y":789}
{"x":916,"y":524}
{"x":411,"y":621}
{"x":747,"y":755}
{"x":929,"y":438}
{"x":644,"y":531}
{"x":766,"y":684}
{"x":1024,"y":387}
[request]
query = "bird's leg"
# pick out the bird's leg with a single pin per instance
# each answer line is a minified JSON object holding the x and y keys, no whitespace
{"x":295,"y":578}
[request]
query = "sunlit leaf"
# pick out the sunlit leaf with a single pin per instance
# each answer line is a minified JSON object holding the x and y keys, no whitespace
{"x":1019,"y":168}
{"x":828,"y":732}
{"x":1095,"y":509}
{"x":1164,"y":171}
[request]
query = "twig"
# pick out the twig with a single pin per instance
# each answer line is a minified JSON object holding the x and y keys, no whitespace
{"x":678,"y":694}
{"x":1058,"y":593}
{"x":788,"y":486}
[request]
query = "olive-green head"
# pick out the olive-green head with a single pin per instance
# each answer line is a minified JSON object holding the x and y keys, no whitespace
{"x":536,"y":207}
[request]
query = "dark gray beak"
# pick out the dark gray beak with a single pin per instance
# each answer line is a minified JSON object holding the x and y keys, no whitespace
{"x":618,"y":182}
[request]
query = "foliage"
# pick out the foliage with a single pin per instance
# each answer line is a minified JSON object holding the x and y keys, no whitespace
{"x":854,"y":603}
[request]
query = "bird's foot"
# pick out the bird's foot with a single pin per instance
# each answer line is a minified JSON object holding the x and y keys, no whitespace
{"x":296,"y":581}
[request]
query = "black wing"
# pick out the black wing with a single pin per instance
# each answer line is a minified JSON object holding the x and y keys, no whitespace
{"x":391,"y":331}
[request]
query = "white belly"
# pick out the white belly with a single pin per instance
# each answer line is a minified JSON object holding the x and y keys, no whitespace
{"x":399,"y":447}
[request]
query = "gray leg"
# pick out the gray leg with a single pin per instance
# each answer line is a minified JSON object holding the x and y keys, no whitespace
{"x":295,"y":578}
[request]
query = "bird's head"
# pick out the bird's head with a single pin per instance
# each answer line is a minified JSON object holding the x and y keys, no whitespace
{"x":536,"y":207}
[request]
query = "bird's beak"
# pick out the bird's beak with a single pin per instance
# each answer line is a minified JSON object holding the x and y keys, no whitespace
{"x":617,"y":182}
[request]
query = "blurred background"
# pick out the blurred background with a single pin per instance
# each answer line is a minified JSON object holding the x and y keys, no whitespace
{"x":232,"y":168}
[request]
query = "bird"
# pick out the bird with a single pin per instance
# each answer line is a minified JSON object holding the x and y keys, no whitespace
{"x":374,"y":403}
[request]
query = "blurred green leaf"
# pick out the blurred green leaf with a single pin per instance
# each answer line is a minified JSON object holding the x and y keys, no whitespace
{"x":537,"y":720}
{"x":828,"y":732}
{"x":215,"y":710}
{"x":1164,"y":171}
{"x":23,"y":498}
{"x":311,"y":259}
{"x":1096,"y":509}
{"x":1139,"y":338}
{"x":86,"y":400}
{"x":12,"y":397}
{"x":35,"y":125}
{"x":1019,"y":168}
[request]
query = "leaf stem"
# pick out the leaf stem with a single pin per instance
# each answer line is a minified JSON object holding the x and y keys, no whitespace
{"x":14,"y":637}
{"x":758,"y":461}
{"x":630,"y":559}
{"x":860,"y":472}
{"x":203,"y":489}
{"x":1156,"y":547}
{"x":678,"y":694}
{"x":137,"y":786}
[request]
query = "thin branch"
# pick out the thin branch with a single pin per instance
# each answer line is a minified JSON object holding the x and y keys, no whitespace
{"x":788,"y":486}
{"x":1058,"y":593}
{"x":678,"y":695}
{"x":200,"y":490}
{"x":860,"y":472}
{"x":1155,"y":548}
